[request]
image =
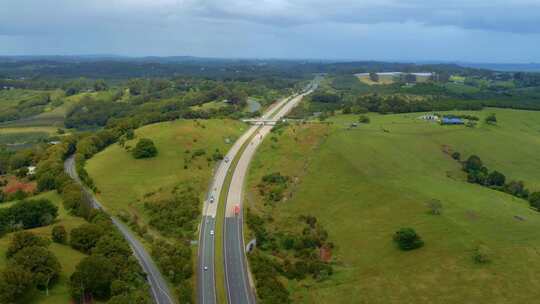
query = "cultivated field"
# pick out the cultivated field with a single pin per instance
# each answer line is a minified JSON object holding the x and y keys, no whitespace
{"x":365,"y":183}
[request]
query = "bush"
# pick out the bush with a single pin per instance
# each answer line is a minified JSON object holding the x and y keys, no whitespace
{"x":93,"y":276}
{"x":481,"y":254}
{"x":27,"y":214}
{"x":145,"y":148}
{"x":407,"y":239}
{"x":534,"y":200}
{"x":456,"y":156}
{"x":59,"y":234}
{"x":363,"y":119}
{"x":491,"y":119}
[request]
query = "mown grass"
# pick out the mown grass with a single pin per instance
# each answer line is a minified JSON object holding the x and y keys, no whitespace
{"x":69,"y":258}
{"x":365,"y":183}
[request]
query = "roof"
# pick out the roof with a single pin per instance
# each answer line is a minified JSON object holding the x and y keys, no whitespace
{"x":452,"y":120}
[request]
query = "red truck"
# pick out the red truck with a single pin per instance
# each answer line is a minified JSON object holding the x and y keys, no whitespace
{"x":237,"y":209}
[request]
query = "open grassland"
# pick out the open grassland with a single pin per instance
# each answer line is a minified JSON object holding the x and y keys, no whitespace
{"x":365,"y":183}
{"x":68,"y":257}
{"x":123,"y":181}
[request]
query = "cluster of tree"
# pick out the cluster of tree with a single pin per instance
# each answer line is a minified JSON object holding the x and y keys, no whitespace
{"x":27,"y":214}
{"x":144,"y":148}
{"x":175,"y":261}
{"x":296,"y":254}
{"x":273,"y":186}
{"x":30,"y":265}
{"x":176,"y":216}
{"x":479,"y":174}
{"x":110,"y":272}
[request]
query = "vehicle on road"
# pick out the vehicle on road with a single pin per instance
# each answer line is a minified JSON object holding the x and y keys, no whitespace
{"x":211,"y":199}
{"x":226,"y":159}
{"x":211,"y":232}
{"x":236,"y":209}
{"x":205,"y":268}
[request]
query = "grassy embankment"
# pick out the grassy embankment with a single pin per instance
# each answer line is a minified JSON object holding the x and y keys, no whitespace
{"x":123,"y":181}
{"x":68,"y":257}
{"x":364,"y":184}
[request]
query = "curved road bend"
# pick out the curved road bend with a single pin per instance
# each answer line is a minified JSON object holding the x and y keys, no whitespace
{"x":238,"y":283}
{"x":206,"y":287}
{"x":160,"y":291}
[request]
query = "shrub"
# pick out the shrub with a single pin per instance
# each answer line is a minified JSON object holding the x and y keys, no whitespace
{"x":59,"y":234}
{"x":435,"y":207}
{"x":145,"y":148}
{"x":363,"y":119}
{"x":456,"y":156}
{"x":534,"y":200}
{"x":481,"y":254}
{"x":408,"y":239}
{"x":93,"y":276}
{"x":491,"y":119}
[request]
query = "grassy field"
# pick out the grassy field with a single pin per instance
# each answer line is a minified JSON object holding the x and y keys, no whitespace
{"x":365,"y":183}
{"x":123,"y":181}
{"x":68,"y":257}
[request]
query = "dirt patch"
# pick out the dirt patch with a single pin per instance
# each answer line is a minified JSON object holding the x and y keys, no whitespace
{"x":325,"y":254}
{"x":446,"y":149}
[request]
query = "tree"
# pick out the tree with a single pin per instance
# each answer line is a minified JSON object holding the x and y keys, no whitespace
{"x":374,"y":77}
{"x":534,"y":200}
{"x":407,"y":239}
{"x":16,"y":284}
{"x":93,"y":276}
{"x":496,"y":178}
{"x":22,"y":240}
{"x":473,"y":163}
{"x":41,"y":263}
{"x":491,"y":119}
{"x":145,"y":148}
{"x":59,"y":234}
{"x":85,"y":237}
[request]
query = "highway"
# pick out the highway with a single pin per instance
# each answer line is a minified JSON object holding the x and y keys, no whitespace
{"x":237,"y":279}
{"x":158,"y":286}
{"x":206,"y":287}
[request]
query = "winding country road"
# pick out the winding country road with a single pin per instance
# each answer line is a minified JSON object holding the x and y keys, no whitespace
{"x":158,"y":286}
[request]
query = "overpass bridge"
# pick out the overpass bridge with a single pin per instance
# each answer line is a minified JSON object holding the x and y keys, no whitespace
{"x":261,"y":122}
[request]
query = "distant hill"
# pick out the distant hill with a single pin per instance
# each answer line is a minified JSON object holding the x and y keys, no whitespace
{"x":505,"y":67}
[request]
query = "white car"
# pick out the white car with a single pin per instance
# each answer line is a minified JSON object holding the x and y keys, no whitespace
{"x":211,"y":232}
{"x":205,"y":268}
{"x":211,"y":199}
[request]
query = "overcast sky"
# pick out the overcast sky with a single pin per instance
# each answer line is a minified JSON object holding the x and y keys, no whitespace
{"x":405,"y":30}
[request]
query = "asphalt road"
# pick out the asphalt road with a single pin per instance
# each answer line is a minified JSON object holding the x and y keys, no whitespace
{"x":160,"y":291}
{"x":206,"y":287}
{"x":239,"y":285}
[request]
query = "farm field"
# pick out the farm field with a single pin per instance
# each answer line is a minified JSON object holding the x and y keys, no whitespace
{"x":67,"y":256}
{"x":123,"y":181}
{"x":365,"y":183}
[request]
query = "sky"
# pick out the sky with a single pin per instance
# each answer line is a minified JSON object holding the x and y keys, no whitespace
{"x":503,"y":31}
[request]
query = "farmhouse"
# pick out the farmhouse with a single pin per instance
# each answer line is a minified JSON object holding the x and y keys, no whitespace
{"x":429,"y":117}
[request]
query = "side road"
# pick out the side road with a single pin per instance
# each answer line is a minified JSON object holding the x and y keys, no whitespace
{"x":160,"y":291}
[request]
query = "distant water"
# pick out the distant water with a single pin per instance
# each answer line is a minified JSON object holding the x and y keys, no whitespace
{"x":253,"y":105}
